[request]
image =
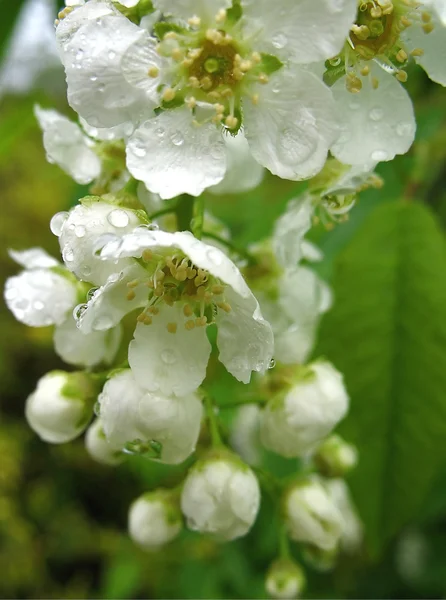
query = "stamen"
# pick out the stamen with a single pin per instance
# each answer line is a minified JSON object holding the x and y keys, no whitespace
{"x":172,"y":327}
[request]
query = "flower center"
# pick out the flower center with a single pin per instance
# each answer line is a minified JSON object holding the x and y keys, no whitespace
{"x":176,"y":280}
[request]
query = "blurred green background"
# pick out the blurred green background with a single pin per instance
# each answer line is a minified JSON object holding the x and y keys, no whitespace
{"x":63,"y":517}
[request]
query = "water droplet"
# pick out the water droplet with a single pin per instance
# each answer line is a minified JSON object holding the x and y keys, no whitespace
{"x":168,"y":357}
{"x":68,"y":254}
{"x":79,"y":310}
{"x":376,"y":114}
{"x":111,"y":55}
{"x":276,"y":87}
{"x":79,"y":54}
{"x":91,"y":292}
{"x":177,"y":138}
{"x":159,"y":132}
{"x":272,"y":364}
{"x":139,"y":150}
{"x":118,"y":218}
{"x":85,"y":270}
{"x":279,"y":41}
{"x":403,"y":129}
{"x":93,"y":78}
{"x":57,"y":222}
{"x":297,"y":144}
{"x":101,"y":88}
{"x":79,"y":231}
{"x":379,"y":155}
{"x":97,"y":409}
{"x":38,"y":305}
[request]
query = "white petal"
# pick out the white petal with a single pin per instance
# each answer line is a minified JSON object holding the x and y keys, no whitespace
{"x":110,"y":303}
{"x":290,"y":228}
{"x":311,"y":252}
{"x":39,"y":298}
{"x":303,"y":296}
{"x":438,"y":7}
{"x":99,"y":448}
{"x":294,"y":344}
{"x":243,"y":173}
{"x":376,"y":124}
{"x":129,"y":3}
{"x":244,"y":339}
{"x":172,"y":156}
{"x":70,"y":24}
{"x":138,"y":59}
{"x":33,"y":258}
{"x":66,"y":146}
{"x":433,"y":44}
{"x":303,"y":30}
{"x":293,"y":124}
{"x":87,"y":350}
{"x":97,"y":88}
{"x":107,"y":134}
{"x":205,"y":9}
{"x":169,"y":363}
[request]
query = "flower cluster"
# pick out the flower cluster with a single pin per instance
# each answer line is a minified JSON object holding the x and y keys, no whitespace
{"x":178,"y":97}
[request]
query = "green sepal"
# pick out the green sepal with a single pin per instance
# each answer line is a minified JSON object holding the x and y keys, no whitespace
{"x":175,"y":103}
{"x":270,"y":63}
{"x":332,"y":74}
{"x":162,"y":27}
{"x":234,"y":13}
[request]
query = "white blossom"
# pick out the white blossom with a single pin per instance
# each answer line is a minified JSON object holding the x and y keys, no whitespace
{"x":245,"y":434}
{"x":335,"y":457}
{"x":137,"y":420}
{"x":79,"y":233}
{"x":99,"y":448}
{"x":294,"y":423}
{"x":311,"y":515}
{"x":184,"y":286}
{"x":67,"y":146}
{"x":290,"y":229}
{"x":352,"y":530}
{"x":60,"y":407}
{"x":285,"y":579}
{"x":221,"y":496}
{"x":154,"y":519}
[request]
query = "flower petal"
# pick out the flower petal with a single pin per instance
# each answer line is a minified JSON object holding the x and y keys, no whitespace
{"x":292,"y":124}
{"x":244,"y":339}
{"x":376,"y":124}
{"x":243,"y":173}
{"x":433,"y":44}
{"x":303,"y":296}
{"x":289,"y":230}
{"x":173,"y":156}
{"x":108,"y":134}
{"x":303,"y":30}
{"x":138,"y":59}
{"x":205,"y":9}
{"x":169,"y":363}
{"x":33,"y":258}
{"x":66,"y":146}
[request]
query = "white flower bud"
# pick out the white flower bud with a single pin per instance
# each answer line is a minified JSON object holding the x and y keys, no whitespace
{"x":245,"y":437}
{"x":312,"y":515}
{"x":61,"y":406}
{"x":352,"y":530}
{"x":293,"y":424}
{"x":285,"y":579}
{"x":80,"y":234}
{"x":99,"y":448}
{"x":221,"y":495}
{"x":335,"y":458}
{"x":138,"y":420}
{"x":155,"y":519}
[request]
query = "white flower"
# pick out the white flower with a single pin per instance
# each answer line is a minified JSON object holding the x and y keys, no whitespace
{"x":293,"y":424}
{"x":99,"y":448}
{"x":335,"y":457}
{"x":60,"y":407}
{"x":79,"y":232}
{"x":42,"y":294}
{"x":134,"y":419}
{"x":245,"y":437}
{"x":285,"y":579}
{"x":210,"y":71}
{"x":67,"y":146}
{"x":221,"y":495}
{"x":154,"y":519}
{"x":311,"y":515}
{"x":290,"y":229}
{"x":352,"y":530}
{"x":185,"y":286}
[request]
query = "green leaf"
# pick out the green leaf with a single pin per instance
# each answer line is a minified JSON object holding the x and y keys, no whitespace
{"x":387,"y":334}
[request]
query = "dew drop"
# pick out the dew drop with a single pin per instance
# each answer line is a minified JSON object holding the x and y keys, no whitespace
{"x":379,"y":155}
{"x":79,"y":310}
{"x":93,"y":78}
{"x":272,"y":364}
{"x":139,"y":150}
{"x":91,"y":292}
{"x":297,"y":144}
{"x":85,"y":270}
{"x":118,"y":218}
{"x":38,"y":305}
{"x":79,"y":231}
{"x":376,"y":114}
{"x":79,"y":54}
{"x":111,"y":55}
{"x":168,"y":357}
{"x":57,"y":222}
{"x":22,"y":304}
{"x":68,"y":254}
{"x":160,"y":132}
{"x":177,"y":138}
{"x":403,"y":129}
{"x":279,"y":41}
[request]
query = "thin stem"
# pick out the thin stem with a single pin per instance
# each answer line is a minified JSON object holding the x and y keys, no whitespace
{"x":184,"y":211}
{"x":284,"y":543}
{"x":198,"y":219}
{"x":213,"y":421}
{"x":240,"y":251}
{"x":160,"y":213}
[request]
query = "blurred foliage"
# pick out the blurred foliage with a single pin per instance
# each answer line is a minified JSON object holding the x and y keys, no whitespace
{"x":63,"y":517}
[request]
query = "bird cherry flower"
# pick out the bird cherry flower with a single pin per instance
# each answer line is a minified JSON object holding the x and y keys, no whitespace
{"x":183,"y":285}
{"x":214,"y":67}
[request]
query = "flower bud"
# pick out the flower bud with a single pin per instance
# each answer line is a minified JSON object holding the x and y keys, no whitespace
{"x":162,"y":427}
{"x":319,"y":559}
{"x":285,"y":579}
{"x":61,"y":406}
{"x":352,"y":530}
{"x":99,"y":448}
{"x":245,"y":434}
{"x":312,"y":515}
{"x":155,"y":519}
{"x":293,"y":423}
{"x":81,"y":232}
{"x":221,"y":495}
{"x":335,"y":458}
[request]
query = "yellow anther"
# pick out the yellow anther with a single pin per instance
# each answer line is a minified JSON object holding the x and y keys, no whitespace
{"x":217,"y":289}
{"x":170,"y":35}
{"x":191,"y":102}
{"x":376,"y":12}
{"x":153,"y":310}
{"x":189,"y":325}
{"x":206,"y":83}
{"x":147,"y":255}
{"x":227,"y":93}
{"x":417,"y":52}
{"x":187,"y":310}
{"x":153,"y":72}
{"x":201,"y":291}
{"x":216,"y":119}
{"x":177,"y":54}
{"x":256,"y":57}
{"x":191,"y":273}
{"x":255,"y":99}
{"x":214,"y":95}
{"x":401,"y":56}
{"x":224,"y":306}
{"x":187,"y":62}
{"x":405,"y":22}
{"x":172,"y":327}
{"x":219,"y":108}
{"x":428,"y":27}
{"x":141,"y":317}
{"x":147,"y":320}
{"x":353,"y":83}
{"x":401,"y":76}
{"x":133,"y":284}
{"x":131,"y":295}
{"x":263,"y":78}
{"x":220,"y":17}
{"x":237,"y":74}
{"x":425,"y":17}
{"x":159,"y":291}
{"x":181,"y":275}
{"x":365,"y":70}
{"x":194,"y":21}
{"x":201,"y":321}
{"x":231,"y":122}
{"x":375,"y":83}
{"x":245,"y":66}
{"x":213,"y":35}
{"x":194,"y":53}
{"x":168,"y":95}
{"x":193,"y":82}
{"x":168,"y":300}
{"x":361,"y":31}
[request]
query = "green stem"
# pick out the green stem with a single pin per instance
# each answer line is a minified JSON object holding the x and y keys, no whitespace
{"x":184,"y":211}
{"x":284,"y":543}
{"x":198,"y":220}
{"x":240,"y":251}
{"x":213,"y":422}
{"x":164,"y":211}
